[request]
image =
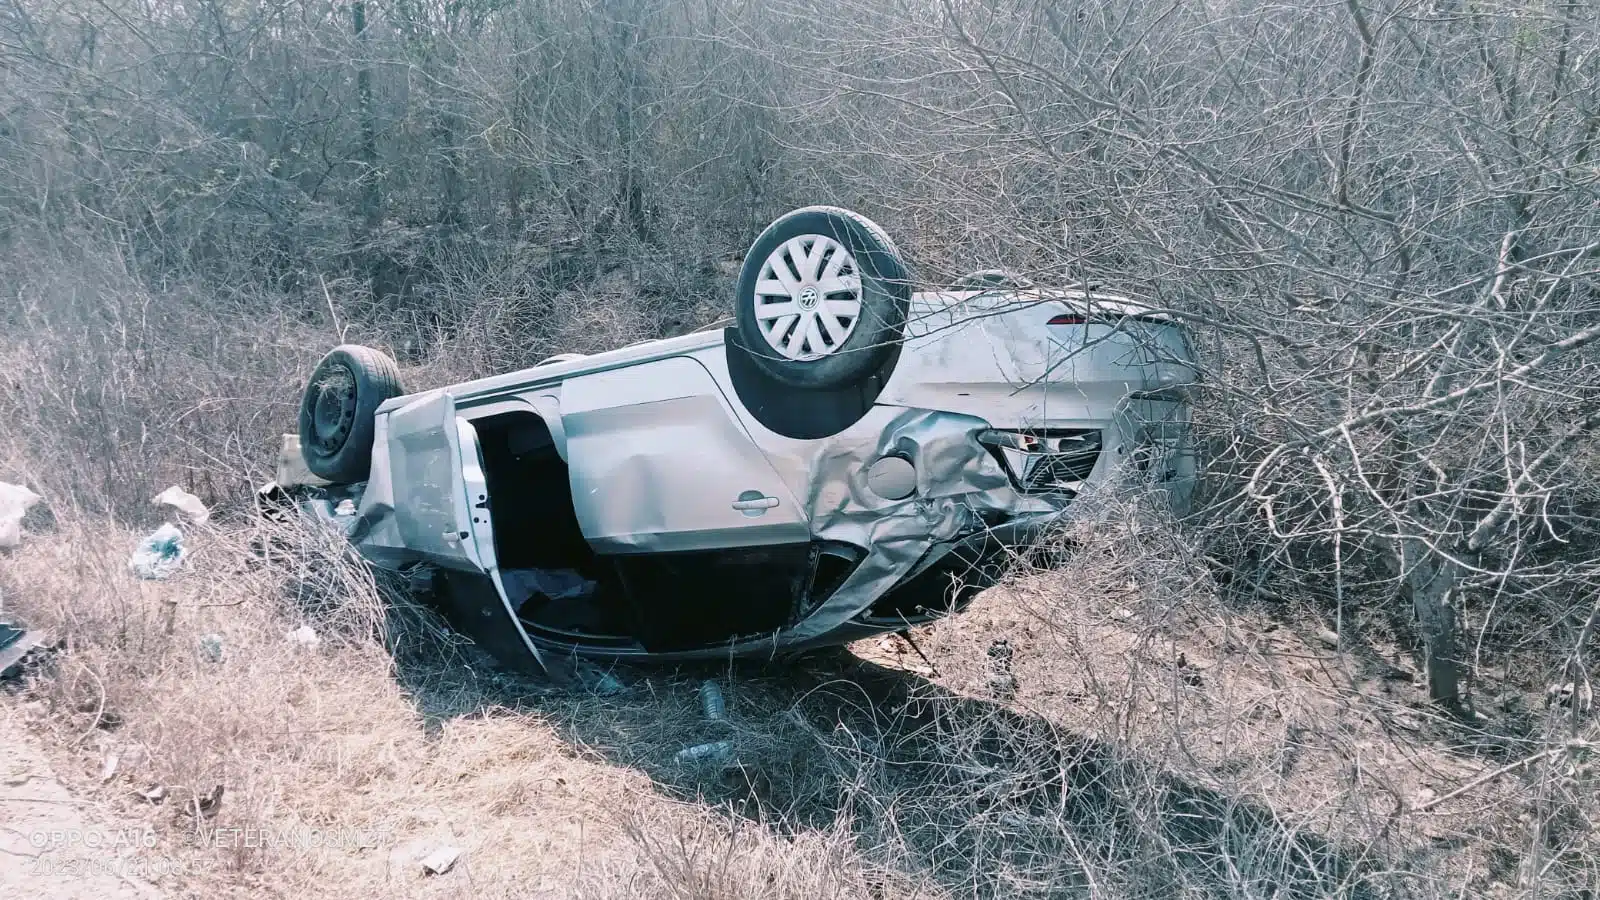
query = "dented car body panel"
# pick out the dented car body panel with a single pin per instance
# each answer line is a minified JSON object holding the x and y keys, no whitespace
{"x":696,"y":529}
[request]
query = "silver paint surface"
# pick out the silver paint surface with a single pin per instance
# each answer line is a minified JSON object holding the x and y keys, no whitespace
{"x":662,"y":455}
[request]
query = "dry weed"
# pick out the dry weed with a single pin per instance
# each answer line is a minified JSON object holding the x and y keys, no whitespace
{"x":1153,"y":741}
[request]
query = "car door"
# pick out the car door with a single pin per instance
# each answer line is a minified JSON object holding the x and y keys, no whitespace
{"x":658,"y":463}
{"x":440,"y":495}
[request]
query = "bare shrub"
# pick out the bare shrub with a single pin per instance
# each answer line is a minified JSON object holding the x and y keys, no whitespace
{"x":704,"y":859}
{"x":1223,"y":744}
{"x":1377,"y":219}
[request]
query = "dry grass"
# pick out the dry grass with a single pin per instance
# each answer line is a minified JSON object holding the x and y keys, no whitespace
{"x":1238,"y":745}
{"x":1156,"y":743}
{"x":390,"y":737}
{"x":1154,"y":739}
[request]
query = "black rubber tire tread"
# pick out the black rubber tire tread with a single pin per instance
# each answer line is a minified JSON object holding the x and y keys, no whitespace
{"x":377,"y":379}
{"x":885,"y":298}
{"x":799,"y":413}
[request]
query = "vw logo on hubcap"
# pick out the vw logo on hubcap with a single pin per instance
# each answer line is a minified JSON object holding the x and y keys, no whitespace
{"x":808,"y":298}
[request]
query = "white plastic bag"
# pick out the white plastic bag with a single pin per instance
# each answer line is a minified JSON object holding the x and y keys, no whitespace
{"x":14,"y":502}
{"x":160,"y":554}
{"x":184,"y":502}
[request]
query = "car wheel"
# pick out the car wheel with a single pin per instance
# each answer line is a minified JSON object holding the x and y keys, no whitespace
{"x":992,"y":278}
{"x":822,"y":299}
{"x":337,"y":411}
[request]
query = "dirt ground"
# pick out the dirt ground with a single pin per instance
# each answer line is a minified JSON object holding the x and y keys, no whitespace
{"x":1103,"y":731}
{"x":53,"y":844}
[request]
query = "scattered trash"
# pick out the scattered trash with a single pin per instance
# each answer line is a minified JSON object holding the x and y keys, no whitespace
{"x":716,"y":751}
{"x":211,"y":647}
{"x":108,"y":769}
{"x":160,"y":554}
{"x":155,"y":793}
{"x":441,"y":860}
{"x":1122,"y":614}
{"x":184,"y":502}
{"x":14,"y":503}
{"x":327,"y":513}
{"x":711,"y":700}
{"x":1329,"y":637}
{"x":715,"y":708}
{"x":304,"y":636}
{"x":16,"y":644}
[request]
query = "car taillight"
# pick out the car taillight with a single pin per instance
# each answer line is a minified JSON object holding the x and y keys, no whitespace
{"x":1067,"y":319}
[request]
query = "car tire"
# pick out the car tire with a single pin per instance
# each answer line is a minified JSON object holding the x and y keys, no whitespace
{"x":338,"y":408}
{"x":847,"y":286}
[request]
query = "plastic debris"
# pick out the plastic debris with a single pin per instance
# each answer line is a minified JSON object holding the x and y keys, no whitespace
{"x":211,"y":646}
{"x":160,"y":554}
{"x":715,"y":707}
{"x":441,"y":860}
{"x":304,"y":636}
{"x":346,"y":507}
{"x":14,"y":503}
{"x":715,"y":752}
{"x":184,"y":502}
{"x":323,"y":511}
{"x":712,"y":701}
{"x":15,"y":646}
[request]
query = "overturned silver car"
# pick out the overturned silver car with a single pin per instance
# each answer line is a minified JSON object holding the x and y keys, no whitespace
{"x":848,"y":457}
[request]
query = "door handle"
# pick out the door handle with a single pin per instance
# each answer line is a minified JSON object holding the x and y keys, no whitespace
{"x":754,"y":503}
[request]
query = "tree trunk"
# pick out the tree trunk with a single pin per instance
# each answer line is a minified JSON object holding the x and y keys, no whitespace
{"x":1431,"y":582}
{"x":453,"y":189}
{"x":383,"y":275}
{"x":631,"y":100}
{"x":371,"y":196}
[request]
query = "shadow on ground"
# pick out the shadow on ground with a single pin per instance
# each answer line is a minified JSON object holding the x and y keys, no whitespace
{"x":982,"y":799}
